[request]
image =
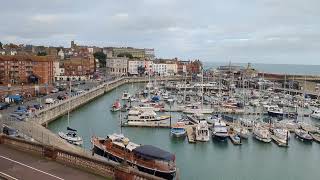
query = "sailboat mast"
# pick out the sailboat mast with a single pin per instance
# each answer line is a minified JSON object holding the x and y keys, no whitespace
{"x":69,"y":103}
{"x":304,"y":95}
{"x":185,"y":88}
{"x":202,"y":89}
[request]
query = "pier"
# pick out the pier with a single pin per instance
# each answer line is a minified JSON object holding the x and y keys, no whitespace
{"x":190,"y":134}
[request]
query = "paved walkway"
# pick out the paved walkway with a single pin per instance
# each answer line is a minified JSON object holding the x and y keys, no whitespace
{"x":15,"y":164}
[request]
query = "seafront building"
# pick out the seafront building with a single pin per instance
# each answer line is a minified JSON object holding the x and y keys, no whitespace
{"x":160,"y":68}
{"x":78,"y":62}
{"x":18,"y":69}
{"x":138,"y":66}
{"x":117,"y":66}
{"x":79,"y":67}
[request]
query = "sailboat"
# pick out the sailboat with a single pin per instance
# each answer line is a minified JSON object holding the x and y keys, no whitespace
{"x":71,"y":134}
{"x":116,"y":106}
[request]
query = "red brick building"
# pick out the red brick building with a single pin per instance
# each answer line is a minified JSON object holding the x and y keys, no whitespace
{"x":26,"y":69}
{"x":194,"y":67}
{"x":79,"y":66}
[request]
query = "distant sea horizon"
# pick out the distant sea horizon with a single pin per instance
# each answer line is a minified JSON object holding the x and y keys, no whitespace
{"x":295,"y":69}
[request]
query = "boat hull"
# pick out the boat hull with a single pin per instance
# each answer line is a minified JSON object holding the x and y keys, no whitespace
{"x":109,"y":156}
{"x":219,"y":137}
{"x":235,"y":139}
{"x":275,"y":114}
{"x":308,"y":140}
{"x":203,"y":138}
{"x":315,"y":116}
{"x":115,"y":109}
{"x":147,"y":123}
{"x":74,"y":141}
{"x":265,"y":140}
{"x":178,"y":134}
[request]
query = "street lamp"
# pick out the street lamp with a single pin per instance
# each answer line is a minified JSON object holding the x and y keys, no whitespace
{"x":125,"y":142}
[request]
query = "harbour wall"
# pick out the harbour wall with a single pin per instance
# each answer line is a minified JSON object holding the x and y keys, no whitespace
{"x":274,"y":77}
{"x":59,"y":108}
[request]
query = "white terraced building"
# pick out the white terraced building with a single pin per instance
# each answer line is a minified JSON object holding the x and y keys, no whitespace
{"x":117,"y":66}
{"x":160,"y":69}
{"x":134,"y":64}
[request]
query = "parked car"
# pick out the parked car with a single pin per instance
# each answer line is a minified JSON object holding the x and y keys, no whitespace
{"x":22,"y":108}
{"x":62,"y":97}
{"x":79,"y":91}
{"x":49,"y":101}
{"x":61,"y":88}
{"x":55,"y":90}
{"x":10,"y":131}
{"x":18,"y":116}
{"x":38,"y":106}
{"x":4,"y":105}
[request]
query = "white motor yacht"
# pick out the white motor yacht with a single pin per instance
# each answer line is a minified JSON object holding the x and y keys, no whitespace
{"x":262,"y":134}
{"x":220,"y":131}
{"x":146,"y":117}
{"x":202,"y":131}
{"x":316,"y":114}
{"x":125,"y":96}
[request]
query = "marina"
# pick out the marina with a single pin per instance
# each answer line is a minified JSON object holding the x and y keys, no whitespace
{"x":189,"y":149}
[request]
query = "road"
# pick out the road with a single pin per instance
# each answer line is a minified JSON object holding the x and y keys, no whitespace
{"x":15,"y":164}
{"x":41,"y":100}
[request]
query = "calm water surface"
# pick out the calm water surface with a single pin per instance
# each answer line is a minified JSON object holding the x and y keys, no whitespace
{"x":211,"y":160}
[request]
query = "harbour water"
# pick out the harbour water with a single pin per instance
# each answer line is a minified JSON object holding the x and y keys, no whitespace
{"x":211,"y":160}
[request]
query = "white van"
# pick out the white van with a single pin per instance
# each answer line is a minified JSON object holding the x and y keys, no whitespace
{"x":49,"y":101}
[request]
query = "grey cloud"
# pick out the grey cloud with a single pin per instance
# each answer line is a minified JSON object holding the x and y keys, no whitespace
{"x":273,"y":31}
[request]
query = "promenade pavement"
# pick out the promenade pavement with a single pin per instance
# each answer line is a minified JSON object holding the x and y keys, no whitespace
{"x":16,"y":164}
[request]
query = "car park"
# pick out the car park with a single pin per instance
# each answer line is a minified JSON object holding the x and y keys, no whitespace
{"x":4,"y":105}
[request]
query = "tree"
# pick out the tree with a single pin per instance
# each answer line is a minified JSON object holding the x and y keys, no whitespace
{"x":101,"y":57}
{"x":41,"y":54}
{"x":141,"y":70}
{"x":126,"y":54}
{"x":1,"y":45}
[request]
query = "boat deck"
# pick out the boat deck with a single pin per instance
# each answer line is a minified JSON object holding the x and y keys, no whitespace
{"x":315,"y":137}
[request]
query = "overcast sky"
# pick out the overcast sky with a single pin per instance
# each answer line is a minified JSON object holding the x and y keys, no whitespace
{"x":260,"y":31}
